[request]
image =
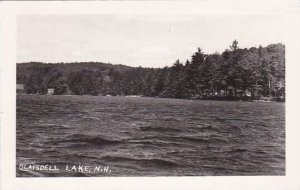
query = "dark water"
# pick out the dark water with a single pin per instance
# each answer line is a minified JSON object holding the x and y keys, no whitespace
{"x":150,"y":137}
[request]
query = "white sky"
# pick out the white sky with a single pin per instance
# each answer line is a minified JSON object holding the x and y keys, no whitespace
{"x":145,"y":40}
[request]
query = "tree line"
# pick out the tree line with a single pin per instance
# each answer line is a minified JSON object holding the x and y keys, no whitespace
{"x":253,"y":72}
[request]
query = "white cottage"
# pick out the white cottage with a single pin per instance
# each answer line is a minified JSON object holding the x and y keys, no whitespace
{"x":50,"y":91}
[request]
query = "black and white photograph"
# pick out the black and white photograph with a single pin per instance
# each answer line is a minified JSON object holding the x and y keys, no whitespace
{"x":144,"y":95}
{"x":150,"y":95}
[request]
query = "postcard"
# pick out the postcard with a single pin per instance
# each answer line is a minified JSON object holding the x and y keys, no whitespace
{"x":149,"y":94}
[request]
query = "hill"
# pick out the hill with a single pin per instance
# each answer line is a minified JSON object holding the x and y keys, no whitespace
{"x":255,"y":72}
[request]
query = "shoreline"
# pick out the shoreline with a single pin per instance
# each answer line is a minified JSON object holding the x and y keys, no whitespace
{"x":210,"y":98}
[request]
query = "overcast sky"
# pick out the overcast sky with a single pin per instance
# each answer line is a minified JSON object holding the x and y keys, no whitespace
{"x":148,"y":40}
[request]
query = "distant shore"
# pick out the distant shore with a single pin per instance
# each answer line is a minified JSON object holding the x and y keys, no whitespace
{"x":255,"y":73}
{"x":215,"y":98}
{"x":244,"y":98}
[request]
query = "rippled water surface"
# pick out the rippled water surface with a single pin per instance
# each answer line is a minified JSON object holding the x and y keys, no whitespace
{"x":149,"y":136}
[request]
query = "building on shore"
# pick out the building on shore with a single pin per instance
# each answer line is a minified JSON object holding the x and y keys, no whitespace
{"x":20,"y":88}
{"x":50,"y":91}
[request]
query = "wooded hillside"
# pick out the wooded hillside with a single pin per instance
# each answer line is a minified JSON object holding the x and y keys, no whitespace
{"x":259,"y":71}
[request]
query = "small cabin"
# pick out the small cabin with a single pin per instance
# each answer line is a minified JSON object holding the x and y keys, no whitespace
{"x":20,"y":88}
{"x":50,"y":91}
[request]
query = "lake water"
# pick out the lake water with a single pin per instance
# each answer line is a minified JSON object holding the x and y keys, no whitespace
{"x":130,"y":136}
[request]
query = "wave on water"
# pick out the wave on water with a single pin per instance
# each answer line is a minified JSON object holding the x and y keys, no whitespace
{"x":150,"y":136}
{"x":90,"y":139}
{"x":142,"y":161}
{"x":160,"y":129}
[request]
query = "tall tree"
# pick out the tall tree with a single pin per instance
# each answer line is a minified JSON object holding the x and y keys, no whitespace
{"x":192,"y":74}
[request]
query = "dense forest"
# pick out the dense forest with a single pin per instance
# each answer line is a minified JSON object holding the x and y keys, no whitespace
{"x":250,"y":72}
